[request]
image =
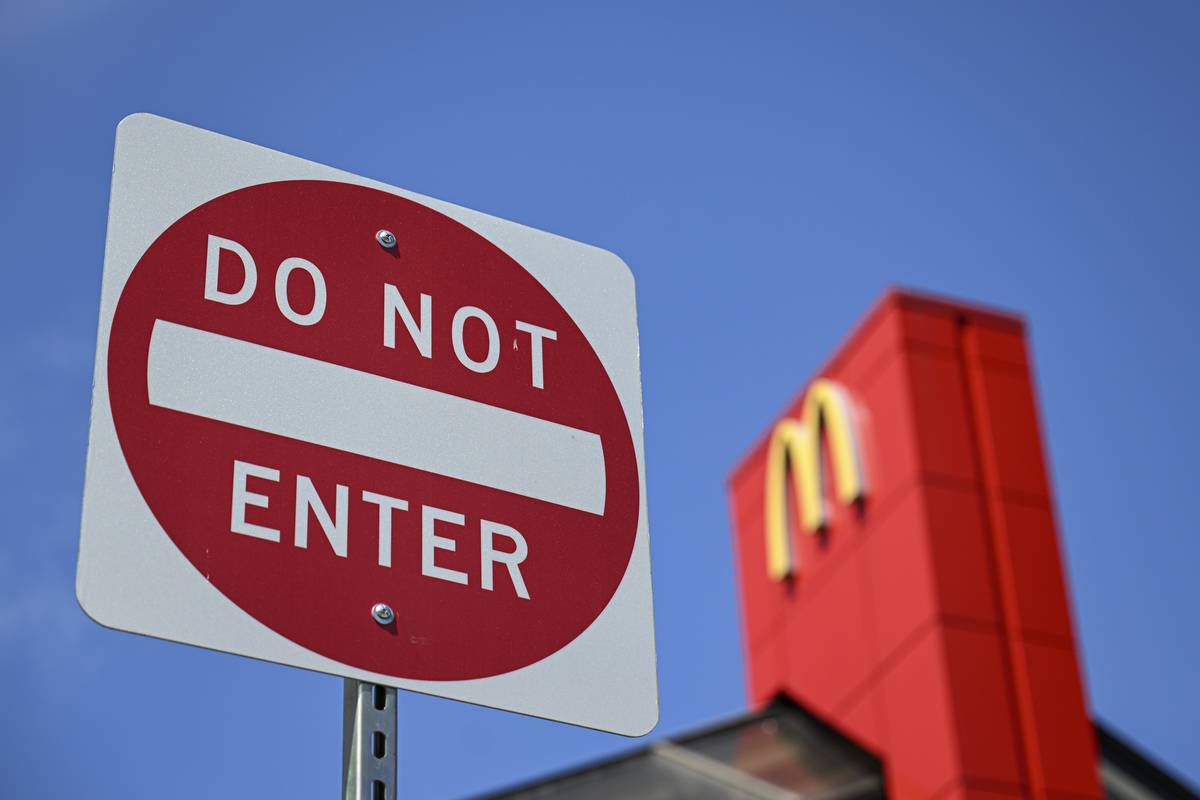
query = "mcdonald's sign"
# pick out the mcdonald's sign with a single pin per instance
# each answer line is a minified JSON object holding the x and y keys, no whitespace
{"x":827,"y":423}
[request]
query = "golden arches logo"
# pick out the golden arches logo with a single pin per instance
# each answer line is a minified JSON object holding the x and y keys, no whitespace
{"x":795,"y":449}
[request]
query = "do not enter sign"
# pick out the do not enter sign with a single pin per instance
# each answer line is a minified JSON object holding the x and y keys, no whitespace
{"x":348,"y":428}
{"x":422,"y":426}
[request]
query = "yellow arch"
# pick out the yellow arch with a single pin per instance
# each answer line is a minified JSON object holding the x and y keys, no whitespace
{"x":795,"y":447}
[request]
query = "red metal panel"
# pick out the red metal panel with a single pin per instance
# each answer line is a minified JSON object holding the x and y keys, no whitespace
{"x":888,"y":441}
{"x":1063,"y":731}
{"x":1042,"y":605}
{"x":962,"y":563}
{"x":767,"y":676}
{"x":1011,"y":440}
{"x":932,"y":622}
{"x":928,"y":562}
{"x":922,"y":757}
{"x":986,"y":728}
{"x":975,"y":792}
{"x":940,"y":416}
{"x":829,"y":648}
{"x":864,"y":719}
{"x":900,"y":570}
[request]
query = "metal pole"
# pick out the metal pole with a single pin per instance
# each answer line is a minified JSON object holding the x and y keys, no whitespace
{"x":368,"y":741}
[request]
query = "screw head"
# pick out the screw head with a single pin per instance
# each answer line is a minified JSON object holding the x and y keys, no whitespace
{"x":385,"y":238}
{"x":383,"y":613}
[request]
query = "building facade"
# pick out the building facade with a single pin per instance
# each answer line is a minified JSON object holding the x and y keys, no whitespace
{"x":906,"y":622}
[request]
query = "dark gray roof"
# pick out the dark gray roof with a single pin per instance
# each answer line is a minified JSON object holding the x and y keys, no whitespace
{"x":1128,"y":774}
{"x":780,"y":753}
{"x":785,"y":753}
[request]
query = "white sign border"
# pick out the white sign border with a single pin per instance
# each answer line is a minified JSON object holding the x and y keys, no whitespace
{"x":132,"y":577}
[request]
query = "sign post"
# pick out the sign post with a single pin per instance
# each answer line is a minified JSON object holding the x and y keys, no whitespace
{"x":341,"y":426}
{"x":368,"y":741}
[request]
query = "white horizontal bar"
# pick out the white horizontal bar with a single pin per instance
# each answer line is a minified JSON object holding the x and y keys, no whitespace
{"x":246,"y":384}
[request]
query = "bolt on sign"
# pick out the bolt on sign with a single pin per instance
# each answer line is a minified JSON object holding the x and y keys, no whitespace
{"x":345,"y":427}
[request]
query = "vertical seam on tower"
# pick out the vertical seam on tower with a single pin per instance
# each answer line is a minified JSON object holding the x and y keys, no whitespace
{"x":1002,"y":580}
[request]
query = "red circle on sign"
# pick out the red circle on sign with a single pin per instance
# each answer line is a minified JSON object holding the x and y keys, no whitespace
{"x":183,"y":460}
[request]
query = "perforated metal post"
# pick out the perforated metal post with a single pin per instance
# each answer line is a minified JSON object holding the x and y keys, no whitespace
{"x":368,"y":741}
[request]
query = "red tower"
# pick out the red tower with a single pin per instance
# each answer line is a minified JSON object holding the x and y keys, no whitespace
{"x":926,"y":615}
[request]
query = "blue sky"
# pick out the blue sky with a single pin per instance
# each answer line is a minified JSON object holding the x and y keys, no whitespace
{"x":766,"y":170}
